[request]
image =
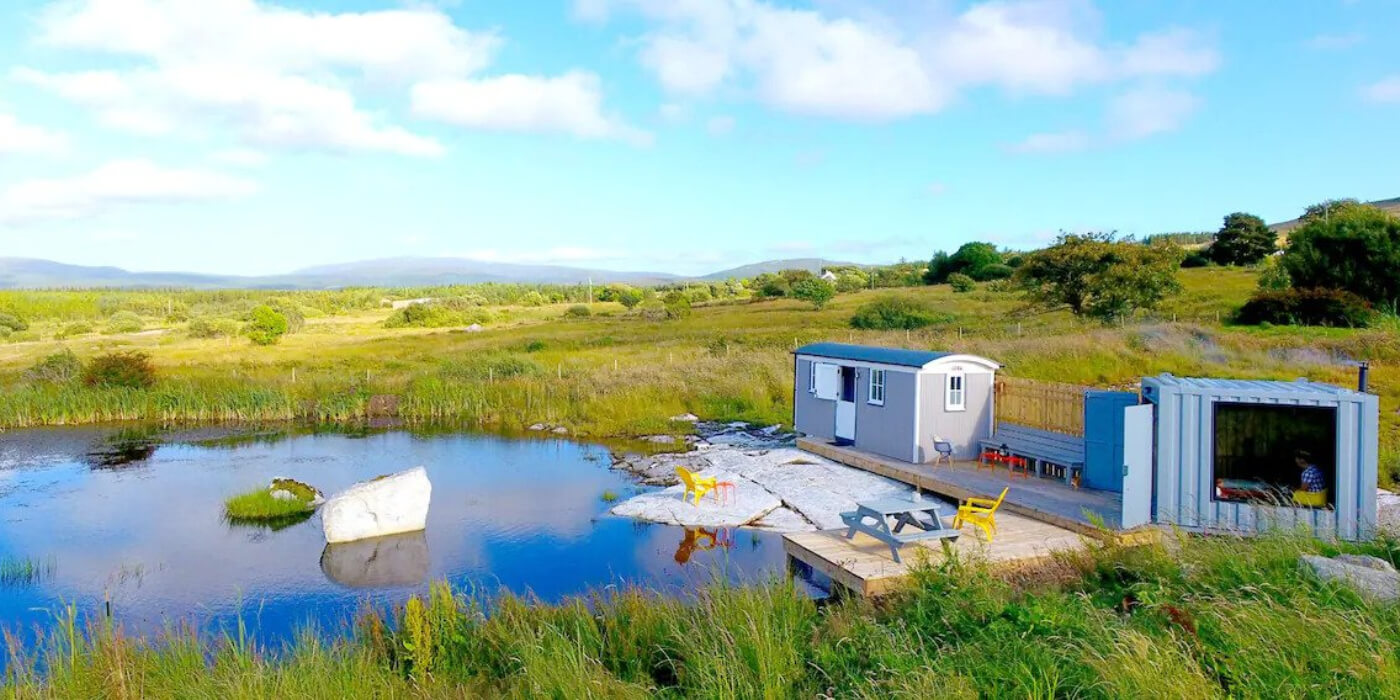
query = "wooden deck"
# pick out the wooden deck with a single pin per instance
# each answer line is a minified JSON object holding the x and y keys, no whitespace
{"x":864,"y":566}
{"x":1085,"y":511}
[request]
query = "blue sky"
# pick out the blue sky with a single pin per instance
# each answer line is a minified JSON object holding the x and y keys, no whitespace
{"x":677,"y":135}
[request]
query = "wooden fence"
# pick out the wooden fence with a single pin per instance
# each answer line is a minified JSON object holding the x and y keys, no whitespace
{"x":1051,"y":406}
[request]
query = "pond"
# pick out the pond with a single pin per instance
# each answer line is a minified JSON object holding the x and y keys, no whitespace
{"x":90,"y":515}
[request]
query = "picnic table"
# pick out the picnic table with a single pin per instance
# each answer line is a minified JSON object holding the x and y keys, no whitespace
{"x":886,"y":519}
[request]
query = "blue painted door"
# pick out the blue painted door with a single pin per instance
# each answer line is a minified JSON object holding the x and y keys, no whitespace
{"x":1103,"y":438}
{"x":1137,"y":465}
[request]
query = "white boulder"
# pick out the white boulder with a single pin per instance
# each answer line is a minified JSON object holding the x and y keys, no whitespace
{"x":1370,"y":576}
{"x":388,"y":505}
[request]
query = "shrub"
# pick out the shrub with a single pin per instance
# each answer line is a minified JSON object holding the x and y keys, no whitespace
{"x":897,"y":313}
{"x":13,"y":322}
{"x":5,"y":332}
{"x":629,"y":297}
{"x":1275,"y":275}
{"x":651,"y":310}
{"x":61,"y":367}
{"x":1306,"y":307}
{"x":437,"y":314}
{"x":995,"y":271}
{"x":971,"y":259}
{"x":578,"y":311}
{"x":1099,"y":276}
{"x":535,"y":346}
{"x":961,"y":283}
{"x":266,"y":326}
{"x":1356,"y":248}
{"x":291,"y":311}
{"x":124,"y":322}
{"x":533,"y":299}
{"x":677,"y":305}
{"x":212,"y":328}
{"x":1196,"y":258}
{"x":131,"y":370}
{"x":814,"y":290}
{"x":73,"y":330}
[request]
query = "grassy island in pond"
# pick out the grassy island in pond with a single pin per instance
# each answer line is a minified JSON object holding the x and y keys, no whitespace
{"x":270,"y":505}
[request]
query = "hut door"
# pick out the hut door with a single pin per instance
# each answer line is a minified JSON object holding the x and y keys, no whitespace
{"x":1137,"y":465}
{"x":846,"y":405}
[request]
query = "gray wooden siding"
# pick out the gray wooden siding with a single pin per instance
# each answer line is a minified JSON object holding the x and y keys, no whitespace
{"x":810,"y":415}
{"x":962,"y":428}
{"x":1184,"y":493}
{"x":886,"y":430}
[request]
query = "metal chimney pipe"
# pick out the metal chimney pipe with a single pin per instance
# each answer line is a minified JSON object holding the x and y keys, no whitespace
{"x":1363,"y":376}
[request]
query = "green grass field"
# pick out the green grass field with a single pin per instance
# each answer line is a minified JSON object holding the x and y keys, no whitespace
{"x":615,"y":375}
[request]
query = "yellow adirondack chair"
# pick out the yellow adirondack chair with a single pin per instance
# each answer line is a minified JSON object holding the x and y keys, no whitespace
{"x":980,"y":512}
{"x":698,"y":485}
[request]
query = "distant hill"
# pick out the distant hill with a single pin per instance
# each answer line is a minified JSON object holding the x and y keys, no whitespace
{"x":813,"y":265}
{"x":1390,"y":205}
{"x":29,"y":273}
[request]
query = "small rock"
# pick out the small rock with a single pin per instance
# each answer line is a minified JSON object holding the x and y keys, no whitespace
{"x":283,"y":495}
{"x":474,"y":328}
{"x":561,"y":430}
{"x":537,"y":427}
{"x":685,"y":418}
{"x":1368,"y":576}
{"x":771,"y":430}
{"x":660,"y":439}
{"x":737,"y":425}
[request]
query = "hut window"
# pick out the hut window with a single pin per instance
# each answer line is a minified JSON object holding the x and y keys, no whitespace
{"x":955,"y":397}
{"x":812,"y":377}
{"x":877,"y":387}
{"x":1257,"y":453}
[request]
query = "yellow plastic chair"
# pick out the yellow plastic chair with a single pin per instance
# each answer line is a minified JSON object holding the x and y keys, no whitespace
{"x":1312,"y":499}
{"x":980,"y":512}
{"x":698,"y":485}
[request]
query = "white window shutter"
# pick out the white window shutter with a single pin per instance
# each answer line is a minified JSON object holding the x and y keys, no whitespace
{"x":828,"y":381}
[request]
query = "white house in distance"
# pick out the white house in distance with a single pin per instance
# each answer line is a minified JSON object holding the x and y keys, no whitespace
{"x":893,"y":402}
{"x":828,"y":275}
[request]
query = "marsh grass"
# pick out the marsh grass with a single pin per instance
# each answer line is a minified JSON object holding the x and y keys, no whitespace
{"x":1201,"y":618}
{"x":25,"y":571}
{"x":259,"y":506}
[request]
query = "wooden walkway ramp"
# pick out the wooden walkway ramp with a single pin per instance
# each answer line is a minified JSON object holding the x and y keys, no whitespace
{"x":863,"y":565}
{"x":1086,"y":511}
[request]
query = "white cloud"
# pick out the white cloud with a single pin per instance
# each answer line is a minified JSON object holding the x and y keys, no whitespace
{"x":570,"y":103}
{"x":263,"y":108}
{"x":1334,"y":42}
{"x":720,"y":125}
{"x":240,"y":157}
{"x":1052,"y":142}
{"x":851,"y":61}
{"x":114,"y":184}
{"x":398,"y":45}
{"x":18,"y":137}
{"x":1149,"y":110}
{"x":283,"y":78}
{"x":936,"y":189}
{"x":1384,"y":90}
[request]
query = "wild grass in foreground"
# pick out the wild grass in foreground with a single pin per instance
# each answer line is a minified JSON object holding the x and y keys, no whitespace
{"x":1204,"y":618}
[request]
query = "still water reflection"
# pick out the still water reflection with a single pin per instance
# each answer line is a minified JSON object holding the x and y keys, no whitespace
{"x":113,"y":517}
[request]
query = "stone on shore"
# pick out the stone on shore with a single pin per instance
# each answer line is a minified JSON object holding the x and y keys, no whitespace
{"x":748,"y":503}
{"x":1369,"y":576}
{"x":378,"y":562}
{"x":388,"y":505}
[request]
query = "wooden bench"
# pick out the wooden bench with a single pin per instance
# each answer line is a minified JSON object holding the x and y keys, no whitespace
{"x":1041,"y":446}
